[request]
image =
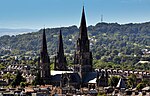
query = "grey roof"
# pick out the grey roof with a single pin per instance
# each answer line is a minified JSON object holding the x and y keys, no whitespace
{"x":74,"y":77}
{"x":56,"y":78}
{"x":89,"y":76}
{"x":121,"y":84}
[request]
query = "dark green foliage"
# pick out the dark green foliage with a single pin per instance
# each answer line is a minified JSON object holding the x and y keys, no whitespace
{"x":2,"y":66}
{"x":140,"y":86}
{"x":146,"y":81}
{"x":132,"y":81}
{"x":23,"y":84}
{"x":109,"y":36}
{"x":113,"y":81}
{"x":18,"y":79}
{"x":110,"y":42}
{"x":38,"y":80}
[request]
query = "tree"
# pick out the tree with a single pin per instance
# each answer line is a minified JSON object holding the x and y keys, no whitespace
{"x":117,"y":59}
{"x":18,"y":79}
{"x":146,"y":81}
{"x":38,"y":80}
{"x":140,"y":86}
{"x":1,"y":67}
{"x":113,"y":81}
{"x":132,"y":80}
{"x":8,"y":76}
{"x":115,"y":52}
{"x":23,"y":84}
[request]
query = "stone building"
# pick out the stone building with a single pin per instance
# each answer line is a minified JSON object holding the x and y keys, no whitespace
{"x":44,"y":61}
{"x":83,"y":74}
{"x":83,"y":56}
{"x":60,"y":59}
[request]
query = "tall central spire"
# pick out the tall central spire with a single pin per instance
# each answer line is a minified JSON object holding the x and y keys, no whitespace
{"x":83,"y":56}
{"x":83,"y":42}
{"x":83,"y":28}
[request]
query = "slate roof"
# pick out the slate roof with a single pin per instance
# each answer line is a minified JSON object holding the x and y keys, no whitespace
{"x":89,"y":76}
{"x":56,"y":78}
{"x":74,"y":77}
{"x":121,"y":84}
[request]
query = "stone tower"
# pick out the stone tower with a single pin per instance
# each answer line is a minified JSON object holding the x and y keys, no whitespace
{"x":44,"y":60}
{"x":60,"y":59}
{"x":83,"y":56}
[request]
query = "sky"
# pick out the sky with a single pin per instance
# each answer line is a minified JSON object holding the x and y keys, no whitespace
{"x":36,"y":14}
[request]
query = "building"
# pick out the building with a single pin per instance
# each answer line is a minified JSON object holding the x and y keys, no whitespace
{"x":83,"y":74}
{"x":60,"y":59}
{"x":44,"y":61}
{"x":83,"y":56}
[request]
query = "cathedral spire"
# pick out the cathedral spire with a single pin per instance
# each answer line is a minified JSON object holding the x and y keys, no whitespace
{"x":60,"y":59}
{"x":83,"y":28}
{"x":44,"y":45}
{"x":44,"y":60}
{"x":83,"y":56}
{"x":60,"y":45}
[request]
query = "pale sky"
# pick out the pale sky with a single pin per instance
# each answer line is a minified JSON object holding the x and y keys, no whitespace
{"x":55,"y":13}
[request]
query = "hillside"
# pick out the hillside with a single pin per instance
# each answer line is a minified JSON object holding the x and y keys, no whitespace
{"x":107,"y":40}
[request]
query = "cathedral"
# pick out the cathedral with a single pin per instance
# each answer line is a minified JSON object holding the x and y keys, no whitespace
{"x":83,"y":56}
{"x":82,"y":74}
{"x":44,"y":60}
{"x":60,"y":59}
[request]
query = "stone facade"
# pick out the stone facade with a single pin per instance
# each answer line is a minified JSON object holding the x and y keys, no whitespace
{"x":60,"y":59}
{"x":83,"y":56}
{"x":44,"y":61}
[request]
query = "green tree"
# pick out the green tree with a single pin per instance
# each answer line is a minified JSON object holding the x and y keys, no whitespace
{"x":117,"y":59}
{"x":113,"y":81}
{"x":8,"y":76}
{"x":18,"y":79}
{"x":146,"y":82}
{"x":38,"y":80}
{"x":23,"y":84}
{"x":2,"y":66}
{"x":132,"y":80}
{"x":115,"y":52}
{"x":140,"y":86}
